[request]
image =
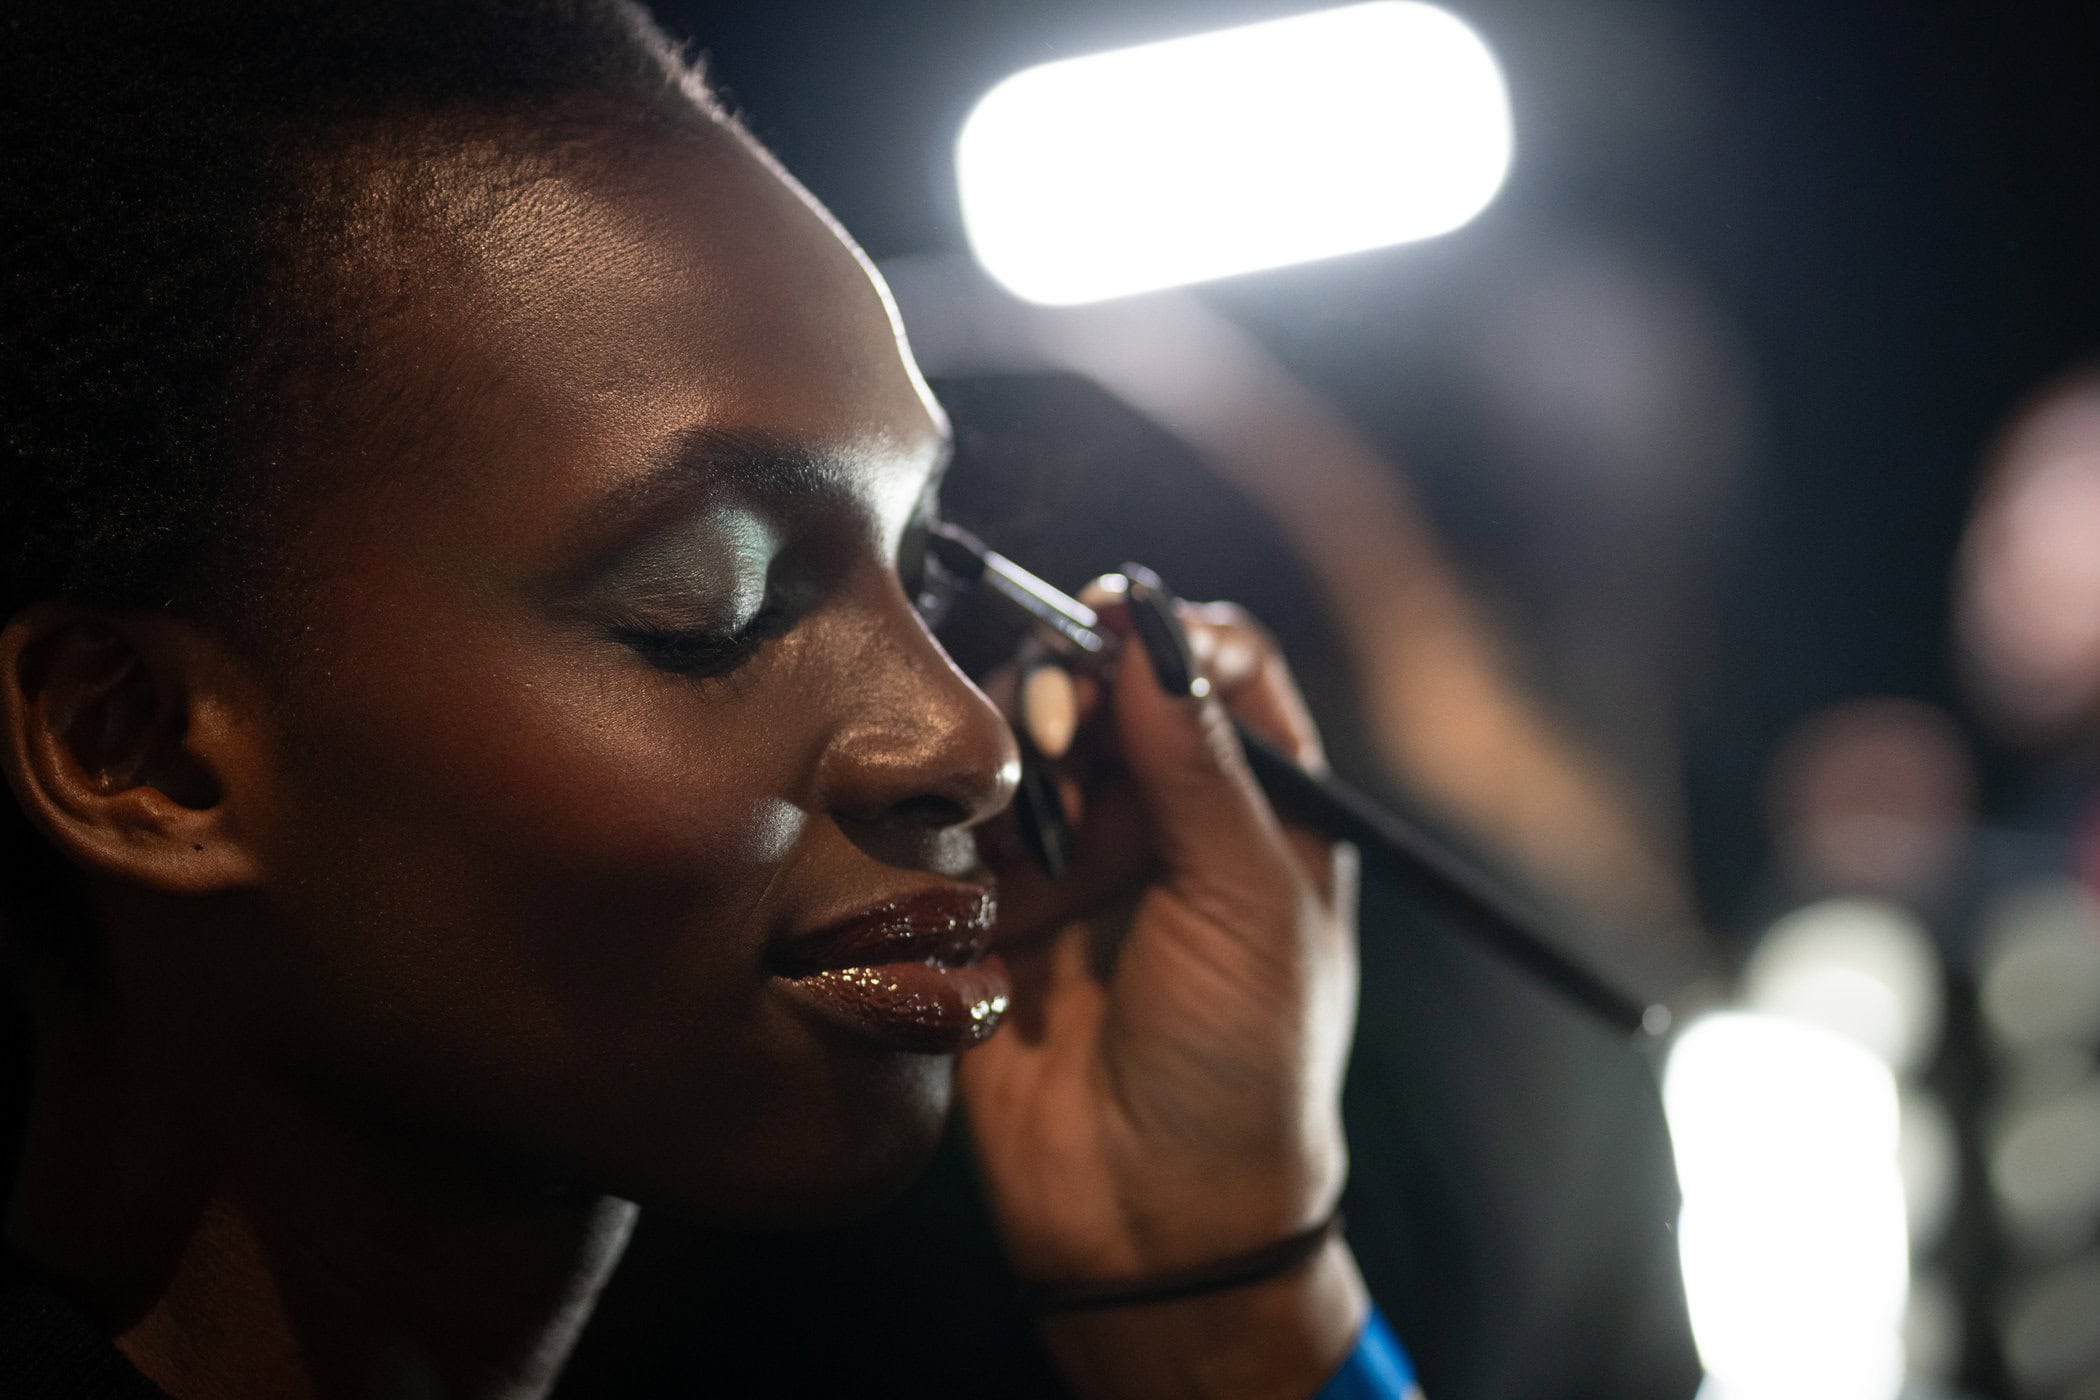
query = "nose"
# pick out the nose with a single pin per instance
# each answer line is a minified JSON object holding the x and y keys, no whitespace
{"x":916,"y":748}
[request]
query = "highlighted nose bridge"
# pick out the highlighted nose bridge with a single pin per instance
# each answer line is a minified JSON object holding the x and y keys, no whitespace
{"x":913,"y":739}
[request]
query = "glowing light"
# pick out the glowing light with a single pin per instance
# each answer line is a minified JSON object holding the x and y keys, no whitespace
{"x":2045,"y":1167}
{"x":2041,"y":966}
{"x":2030,"y":567}
{"x":1863,"y":968}
{"x":1928,"y":1154}
{"x":1793,"y":1238}
{"x":1226,"y":152}
{"x":1932,"y":1331}
{"x":1873,"y":794}
{"x":2050,"y":1342}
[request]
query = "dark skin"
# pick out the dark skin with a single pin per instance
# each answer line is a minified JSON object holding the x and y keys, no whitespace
{"x":439,"y":918}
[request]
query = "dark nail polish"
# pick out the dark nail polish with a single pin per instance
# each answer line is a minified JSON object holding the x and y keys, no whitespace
{"x":1152,"y":613}
{"x":1045,"y":830}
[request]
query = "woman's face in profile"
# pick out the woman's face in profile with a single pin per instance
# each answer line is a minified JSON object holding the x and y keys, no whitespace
{"x":609,"y":700}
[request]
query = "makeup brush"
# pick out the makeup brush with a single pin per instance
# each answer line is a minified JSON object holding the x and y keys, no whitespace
{"x":1424,"y":865}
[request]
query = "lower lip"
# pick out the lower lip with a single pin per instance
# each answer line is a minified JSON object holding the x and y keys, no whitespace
{"x":915,"y":1006}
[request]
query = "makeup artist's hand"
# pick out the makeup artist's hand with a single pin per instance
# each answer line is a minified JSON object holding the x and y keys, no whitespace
{"x":1167,"y":1090}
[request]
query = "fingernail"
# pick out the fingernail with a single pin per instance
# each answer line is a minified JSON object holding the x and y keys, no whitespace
{"x":1049,"y":708}
{"x":1152,"y":613}
{"x":1044,"y":827}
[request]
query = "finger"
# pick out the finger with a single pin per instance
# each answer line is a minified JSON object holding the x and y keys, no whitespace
{"x":1249,"y":673}
{"x":1057,"y":999}
{"x":1019,"y":688}
{"x":1113,"y":852}
{"x":1247,"y":669}
{"x":1111,"y":856}
{"x":1210,"y":820}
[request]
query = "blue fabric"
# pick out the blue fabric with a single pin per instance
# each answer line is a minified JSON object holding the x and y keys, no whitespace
{"x":1377,"y":1369}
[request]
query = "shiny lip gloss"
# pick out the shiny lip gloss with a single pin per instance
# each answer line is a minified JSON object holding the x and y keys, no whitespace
{"x":913,"y":973}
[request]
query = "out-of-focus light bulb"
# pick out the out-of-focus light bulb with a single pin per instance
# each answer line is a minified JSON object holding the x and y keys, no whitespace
{"x":2039,"y":968}
{"x":2044,"y":1162}
{"x":1928,"y":1156}
{"x":1864,"y":968}
{"x":2051,"y":1346}
{"x":1223,"y":153}
{"x":1793,"y":1237}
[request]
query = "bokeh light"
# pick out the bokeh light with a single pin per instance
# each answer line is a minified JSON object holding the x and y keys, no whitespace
{"x":1932,"y":1327}
{"x":1928,"y":1155}
{"x":2039,"y":966}
{"x":1864,"y":969}
{"x":2044,"y":1161}
{"x":2049,"y":1334}
{"x":1793,"y":1234}
{"x":2029,"y":613}
{"x":1872,"y":794}
{"x":1223,"y":153}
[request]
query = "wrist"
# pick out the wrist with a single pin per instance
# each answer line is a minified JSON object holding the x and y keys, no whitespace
{"x":1280,"y":1338}
{"x":1271,"y":1260}
{"x":1140,"y":1222}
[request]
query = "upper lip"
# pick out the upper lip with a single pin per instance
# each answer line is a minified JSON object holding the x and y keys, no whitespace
{"x":950,"y":925}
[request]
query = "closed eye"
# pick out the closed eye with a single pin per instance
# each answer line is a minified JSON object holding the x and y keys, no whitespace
{"x":706,"y":653}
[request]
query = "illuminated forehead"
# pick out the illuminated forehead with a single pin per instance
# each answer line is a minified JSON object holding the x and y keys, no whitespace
{"x":605,"y":300}
{"x":708,"y":263}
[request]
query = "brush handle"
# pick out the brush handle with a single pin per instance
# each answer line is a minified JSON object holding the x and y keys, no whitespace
{"x":1434,"y":874}
{"x":1429,"y":870}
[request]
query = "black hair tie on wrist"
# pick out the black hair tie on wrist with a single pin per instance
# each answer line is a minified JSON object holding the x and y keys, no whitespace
{"x":1234,"y":1271}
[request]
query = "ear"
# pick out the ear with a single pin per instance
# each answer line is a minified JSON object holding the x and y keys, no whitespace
{"x":124,"y":741}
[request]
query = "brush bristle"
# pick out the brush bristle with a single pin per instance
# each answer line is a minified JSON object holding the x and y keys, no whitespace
{"x":960,"y":552}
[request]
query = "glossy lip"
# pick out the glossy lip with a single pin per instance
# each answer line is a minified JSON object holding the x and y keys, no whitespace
{"x":945,"y":925}
{"x":913,"y":973}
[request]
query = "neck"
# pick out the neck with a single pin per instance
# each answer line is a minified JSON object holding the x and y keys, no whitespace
{"x":238,"y":1246}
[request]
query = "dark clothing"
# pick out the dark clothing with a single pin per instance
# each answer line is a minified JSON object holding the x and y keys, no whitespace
{"x":49,"y":1351}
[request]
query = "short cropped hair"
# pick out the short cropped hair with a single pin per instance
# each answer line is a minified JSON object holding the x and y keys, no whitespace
{"x":158,"y":171}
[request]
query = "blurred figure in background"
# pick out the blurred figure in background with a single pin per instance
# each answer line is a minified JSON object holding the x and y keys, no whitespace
{"x":2027,"y":631}
{"x":1963,"y":954}
{"x":1871,"y":807}
{"x":1873,"y":796}
{"x":2027,"y":618}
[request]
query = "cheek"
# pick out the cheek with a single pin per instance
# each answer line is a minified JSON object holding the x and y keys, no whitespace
{"x":543,"y":880}
{"x":536,"y":925}
{"x":493,"y":729}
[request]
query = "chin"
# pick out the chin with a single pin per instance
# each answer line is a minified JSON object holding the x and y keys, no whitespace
{"x":835,"y":1156}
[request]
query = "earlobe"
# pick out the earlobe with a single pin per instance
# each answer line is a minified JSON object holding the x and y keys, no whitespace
{"x":118,"y":743}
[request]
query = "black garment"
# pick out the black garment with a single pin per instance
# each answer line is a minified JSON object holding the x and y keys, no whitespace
{"x":50,"y":1351}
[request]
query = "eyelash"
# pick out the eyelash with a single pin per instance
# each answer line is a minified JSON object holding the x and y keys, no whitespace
{"x":932,"y":590}
{"x":706,"y":655}
{"x":702,"y":655}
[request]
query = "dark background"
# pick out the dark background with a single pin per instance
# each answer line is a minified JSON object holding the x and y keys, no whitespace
{"x":1892,"y":207}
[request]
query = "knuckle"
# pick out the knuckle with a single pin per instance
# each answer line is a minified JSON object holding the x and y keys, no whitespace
{"x":1229,"y":617}
{"x":1237,"y":653}
{"x":1103,"y":591}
